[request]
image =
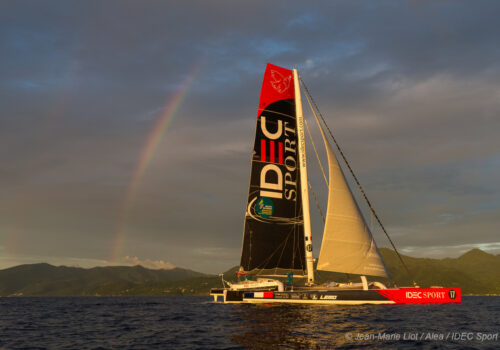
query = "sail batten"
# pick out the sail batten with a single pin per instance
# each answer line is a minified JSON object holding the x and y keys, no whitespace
{"x":348,"y":245}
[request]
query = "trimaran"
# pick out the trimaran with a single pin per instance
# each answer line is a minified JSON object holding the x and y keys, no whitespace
{"x":277,"y":239}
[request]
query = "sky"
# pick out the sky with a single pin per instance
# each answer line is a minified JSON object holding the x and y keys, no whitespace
{"x":126,"y":127}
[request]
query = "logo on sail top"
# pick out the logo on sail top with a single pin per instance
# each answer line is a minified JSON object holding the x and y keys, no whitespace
{"x":280,"y":83}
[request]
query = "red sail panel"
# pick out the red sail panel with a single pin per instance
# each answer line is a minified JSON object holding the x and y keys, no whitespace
{"x":277,"y":85}
{"x":280,"y":153}
{"x":263,"y":150}
{"x":271,"y":151}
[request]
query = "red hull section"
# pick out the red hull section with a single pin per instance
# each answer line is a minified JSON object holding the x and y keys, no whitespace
{"x":422,"y":295}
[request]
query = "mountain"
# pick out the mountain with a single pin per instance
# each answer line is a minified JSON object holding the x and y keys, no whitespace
{"x":476,"y":272}
{"x":47,"y":280}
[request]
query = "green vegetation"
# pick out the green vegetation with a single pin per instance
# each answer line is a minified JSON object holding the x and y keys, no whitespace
{"x":476,"y":272}
{"x":47,"y":280}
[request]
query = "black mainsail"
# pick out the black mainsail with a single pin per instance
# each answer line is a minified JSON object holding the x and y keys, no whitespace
{"x":273,"y":239}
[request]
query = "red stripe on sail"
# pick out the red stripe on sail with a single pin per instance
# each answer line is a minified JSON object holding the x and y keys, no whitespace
{"x":271,"y":151}
{"x":280,"y":152}
{"x":263,"y":150}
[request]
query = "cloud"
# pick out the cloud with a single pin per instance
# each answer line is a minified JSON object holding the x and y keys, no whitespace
{"x":410,"y":91}
{"x":148,"y":263}
{"x":8,"y":260}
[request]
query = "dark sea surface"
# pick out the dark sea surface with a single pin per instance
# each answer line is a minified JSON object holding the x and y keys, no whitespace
{"x":198,"y":323}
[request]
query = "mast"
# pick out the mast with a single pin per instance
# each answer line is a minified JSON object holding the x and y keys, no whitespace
{"x":303,"y":181}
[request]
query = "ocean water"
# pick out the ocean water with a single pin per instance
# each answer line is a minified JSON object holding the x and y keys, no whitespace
{"x":198,"y":323}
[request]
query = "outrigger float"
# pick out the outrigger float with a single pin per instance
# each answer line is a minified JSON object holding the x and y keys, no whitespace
{"x":277,"y":241}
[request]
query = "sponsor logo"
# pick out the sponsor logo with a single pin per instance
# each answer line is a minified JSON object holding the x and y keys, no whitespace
{"x":278,"y":178}
{"x":452,"y":294}
{"x":264,"y":207}
{"x":328,"y":297}
{"x":280,"y":83}
{"x":425,"y":295}
{"x":281,"y":295}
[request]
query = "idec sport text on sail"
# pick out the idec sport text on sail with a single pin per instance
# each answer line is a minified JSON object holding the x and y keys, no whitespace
{"x":276,"y":128}
{"x":273,"y":183}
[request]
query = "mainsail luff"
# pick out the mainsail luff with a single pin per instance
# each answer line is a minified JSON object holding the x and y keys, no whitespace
{"x":273,"y":231}
{"x":348,"y":245}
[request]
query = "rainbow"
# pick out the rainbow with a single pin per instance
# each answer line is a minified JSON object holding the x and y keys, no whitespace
{"x":161,"y":125}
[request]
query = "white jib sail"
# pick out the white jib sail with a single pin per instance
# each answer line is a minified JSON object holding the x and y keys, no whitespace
{"x":348,"y":244}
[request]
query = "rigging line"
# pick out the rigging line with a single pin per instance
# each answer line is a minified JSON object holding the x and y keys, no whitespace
{"x":283,"y":244}
{"x":309,"y":99}
{"x":316,"y":201}
{"x":319,"y":276}
{"x":297,"y":251}
{"x":283,"y":250}
{"x":316,"y":152}
{"x":324,"y":176}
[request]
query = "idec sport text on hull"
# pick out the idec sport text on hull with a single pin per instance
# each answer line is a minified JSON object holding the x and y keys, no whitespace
{"x":425,"y":295}
{"x":273,"y":183}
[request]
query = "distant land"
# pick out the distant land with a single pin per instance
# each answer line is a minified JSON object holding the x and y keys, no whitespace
{"x":476,"y":272}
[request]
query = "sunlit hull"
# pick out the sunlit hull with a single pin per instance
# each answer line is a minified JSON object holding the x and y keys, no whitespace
{"x":343,"y":297}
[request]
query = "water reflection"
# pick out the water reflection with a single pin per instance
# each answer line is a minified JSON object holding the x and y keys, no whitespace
{"x":303,"y":326}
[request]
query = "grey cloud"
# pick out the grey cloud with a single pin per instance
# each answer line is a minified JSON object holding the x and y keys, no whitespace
{"x":410,"y":90}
